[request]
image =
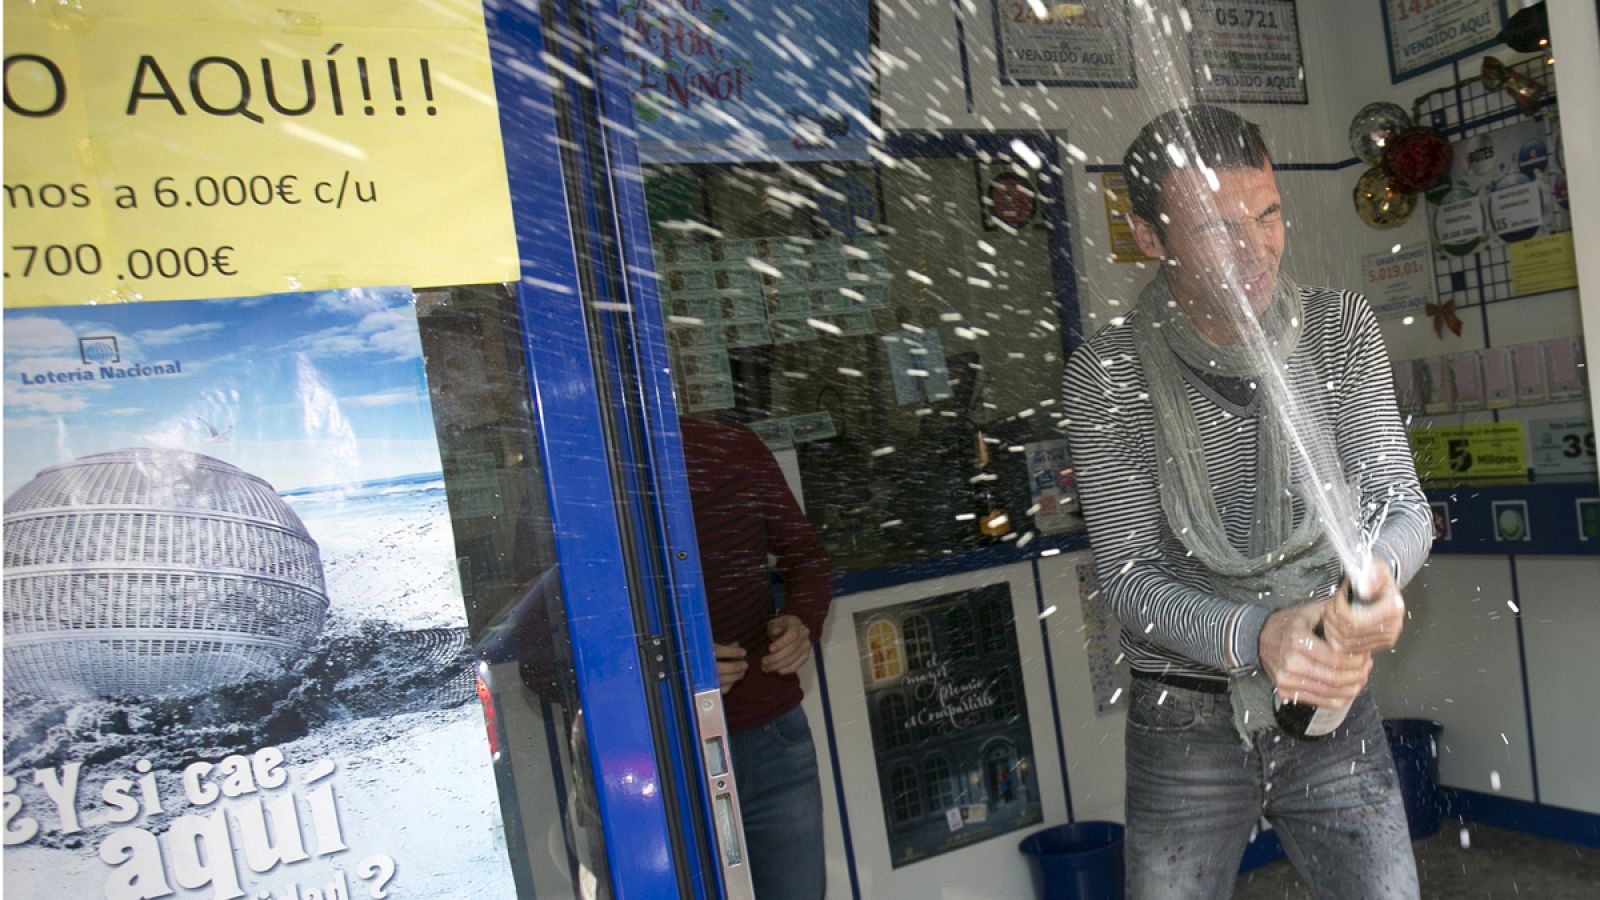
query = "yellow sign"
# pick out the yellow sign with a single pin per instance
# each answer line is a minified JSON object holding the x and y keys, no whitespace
{"x":1114,"y":188}
{"x":208,"y":148}
{"x":1470,"y":452}
{"x":1542,"y":264}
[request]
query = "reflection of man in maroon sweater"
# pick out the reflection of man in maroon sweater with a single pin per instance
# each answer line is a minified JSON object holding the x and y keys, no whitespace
{"x":744,"y":512}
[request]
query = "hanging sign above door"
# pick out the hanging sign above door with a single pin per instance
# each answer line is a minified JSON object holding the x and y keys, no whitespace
{"x":755,"y":81}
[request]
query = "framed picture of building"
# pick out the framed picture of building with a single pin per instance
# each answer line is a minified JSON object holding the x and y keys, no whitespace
{"x":948,"y":713}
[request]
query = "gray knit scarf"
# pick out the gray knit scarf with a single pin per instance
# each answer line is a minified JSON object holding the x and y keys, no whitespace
{"x":1284,"y":561}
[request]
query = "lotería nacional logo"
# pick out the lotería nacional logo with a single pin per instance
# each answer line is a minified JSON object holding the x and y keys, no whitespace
{"x":102,"y":361}
{"x":99,"y":349}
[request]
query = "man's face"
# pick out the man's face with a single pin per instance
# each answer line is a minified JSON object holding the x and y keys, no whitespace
{"x":1222,"y":247}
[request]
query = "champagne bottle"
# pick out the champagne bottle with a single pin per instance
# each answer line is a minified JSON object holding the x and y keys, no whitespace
{"x":1304,"y":721}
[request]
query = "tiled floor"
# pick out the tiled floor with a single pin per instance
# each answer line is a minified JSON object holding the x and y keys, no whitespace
{"x":1493,"y":864}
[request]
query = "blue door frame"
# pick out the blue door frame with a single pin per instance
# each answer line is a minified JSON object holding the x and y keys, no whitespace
{"x":635,"y":610}
{"x":608,"y":431}
{"x":589,"y":544}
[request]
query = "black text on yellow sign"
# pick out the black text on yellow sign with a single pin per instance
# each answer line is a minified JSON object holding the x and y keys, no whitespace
{"x":219,"y":149}
{"x":1446,"y":455}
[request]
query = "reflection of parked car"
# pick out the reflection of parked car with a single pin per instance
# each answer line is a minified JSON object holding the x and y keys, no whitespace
{"x":526,"y":686}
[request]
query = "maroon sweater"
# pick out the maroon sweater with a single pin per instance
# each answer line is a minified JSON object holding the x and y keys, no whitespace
{"x":744,"y":511}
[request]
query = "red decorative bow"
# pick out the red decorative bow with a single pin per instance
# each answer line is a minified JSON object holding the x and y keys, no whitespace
{"x":1444,"y":316}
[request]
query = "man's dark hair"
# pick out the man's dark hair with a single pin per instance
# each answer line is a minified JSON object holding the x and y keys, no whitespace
{"x":1222,"y":139}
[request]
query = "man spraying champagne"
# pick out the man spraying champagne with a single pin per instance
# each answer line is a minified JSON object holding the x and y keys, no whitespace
{"x":1240,"y":462}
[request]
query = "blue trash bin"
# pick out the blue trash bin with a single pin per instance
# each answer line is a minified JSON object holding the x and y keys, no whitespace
{"x":1414,"y":743}
{"x":1079,"y":861}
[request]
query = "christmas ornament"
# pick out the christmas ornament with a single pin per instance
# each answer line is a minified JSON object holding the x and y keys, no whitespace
{"x":1380,"y":202}
{"x":1374,"y":127}
{"x":1418,"y":159}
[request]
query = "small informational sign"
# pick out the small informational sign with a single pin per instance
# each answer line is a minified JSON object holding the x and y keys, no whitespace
{"x":1053,"y":487}
{"x":1398,"y":282}
{"x":917,"y":366}
{"x":1011,"y":200}
{"x":1436,"y":388}
{"x":1426,"y":34}
{"x":1459,"y":223}
{"x":1543,"y":264}
{"x":1466,"y":374}
{"x":1563,"y":446}
{"x":1087,"y":44}
{"x":1527,"y":371}
{"x":1563,"y":359}
{"x":817,"y":426}
{"x":1445,"y":455}
{"x":1499,"y":391}
{"x":1119,"y":225}
{"x":1406,"y":397}
{"x":220,"y":149}
{"x":1440,"y":512}
{"x":1246,"y":51}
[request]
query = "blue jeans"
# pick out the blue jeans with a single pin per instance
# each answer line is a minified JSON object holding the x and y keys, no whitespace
{"x":1195,"y":792}
{"x":780,"y":803}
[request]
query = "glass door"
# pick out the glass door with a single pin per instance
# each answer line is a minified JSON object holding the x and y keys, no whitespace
{"x":581,"y":573}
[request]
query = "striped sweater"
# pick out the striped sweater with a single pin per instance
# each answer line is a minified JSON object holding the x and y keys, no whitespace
{"x":1172,"y":620}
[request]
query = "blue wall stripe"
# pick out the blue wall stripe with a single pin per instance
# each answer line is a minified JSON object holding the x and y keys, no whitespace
{"x":1537,"y":819}
{"x":1097,"y":168}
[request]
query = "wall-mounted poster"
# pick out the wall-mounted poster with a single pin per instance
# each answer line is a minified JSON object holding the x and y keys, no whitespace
{"x":1087,"y":44}
{"x":725,"y":82}
{"x":1501,"y":224}
{"x":1427,"y":34}
{"x":236,"y":655}
{"x":1246,"y":51}
{"x":214,"y":148}
{"x":949,"y":721}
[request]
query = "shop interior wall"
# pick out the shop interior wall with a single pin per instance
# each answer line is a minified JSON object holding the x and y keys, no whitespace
{"x":1461,"y":664}
{"x":1502,"y":688}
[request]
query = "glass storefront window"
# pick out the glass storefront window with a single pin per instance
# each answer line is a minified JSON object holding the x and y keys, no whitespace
{"x":892,"y":330}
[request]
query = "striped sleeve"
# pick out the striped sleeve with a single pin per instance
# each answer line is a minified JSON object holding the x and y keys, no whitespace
{"x":1110,"y":431}
{"x":1372,"y":442}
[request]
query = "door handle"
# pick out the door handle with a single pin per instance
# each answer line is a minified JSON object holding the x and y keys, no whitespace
{"x":717,"y":759}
